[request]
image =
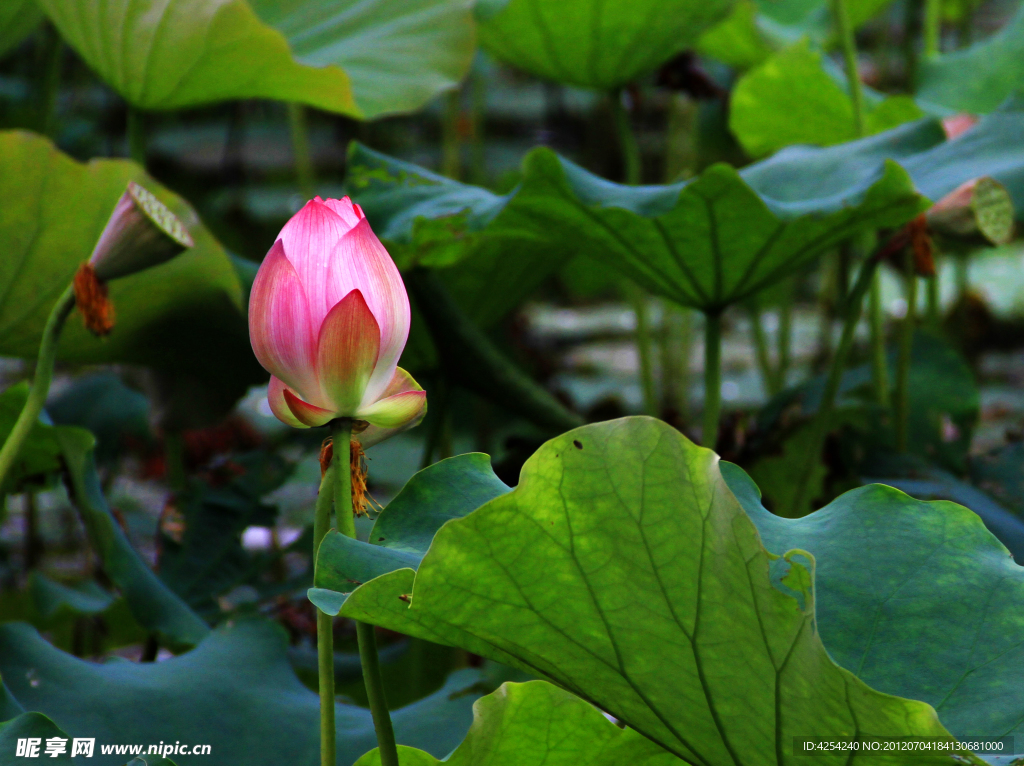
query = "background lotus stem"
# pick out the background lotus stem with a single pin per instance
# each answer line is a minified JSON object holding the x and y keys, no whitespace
{"x":784,"y":340}
{"x":902,"y":410}
{"x":932,"y":27}
{"x":635,"y":294}
{"x":40,"y":384}
{"x":324,"y":622}
{"x":341,"y":435}
{"x":638,"y":299}
{"x":676,"y":343}
{"x":764,"y":363}
{"x":53,"y":57}
{"x":845,"y":31}
{"x":823,"y":418}
{"x":299,"y":130}
{"x":451,"y":143}
{"x":879,"y":366}
{"x":934,"y":307}
{"x":627,"y":140}
{"x":712,"y":378}
{"x":136,"y":135}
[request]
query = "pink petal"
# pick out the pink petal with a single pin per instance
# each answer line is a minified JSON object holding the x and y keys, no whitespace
{"x":307,"y":413}
{"x":278,"y":405}
{"x":349,"y":211}
{"x":401,"y":382}
{"x":395,"y":411}
{"x":309,"y":240}
{"x":958,"y":124}
{"x":361,"y":262}
{"x":960,"y":197}
{"x":347,"y":352}
{"x":280,"y":329}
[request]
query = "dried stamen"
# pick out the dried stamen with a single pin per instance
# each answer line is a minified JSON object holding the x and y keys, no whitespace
{"x":92,"y":301}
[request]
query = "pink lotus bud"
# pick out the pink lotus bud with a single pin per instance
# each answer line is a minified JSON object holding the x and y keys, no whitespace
{"x":958,"y":124}
{"x":141,"y":232}
{"x":329,"y":317}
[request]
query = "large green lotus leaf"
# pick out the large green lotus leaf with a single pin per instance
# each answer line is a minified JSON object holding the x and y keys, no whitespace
{"x":978,"y":78}
{"x":17,"y":20}
{"x":448,"y":489}
{"x":791,"y":99}
{"x":235,"y":692}
{"x":537,"y":724}
{"x":429,"y":220}
{"x":624,"y":569}
{"x":185,"y":315}
{"x":398,"y":54}
{"x":917,"y":598}
{"x":705,"y":244}
{"x":593,"y":43}
{"x":153,"y":604}
{"x":357,"y":58}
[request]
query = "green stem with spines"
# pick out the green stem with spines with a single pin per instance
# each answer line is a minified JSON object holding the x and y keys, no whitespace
{"x":325,"y":624}
{"x":341,"y":436}
{"x":712,"y":378}
{"x":822,"y":419}
{"x":40,"y":384}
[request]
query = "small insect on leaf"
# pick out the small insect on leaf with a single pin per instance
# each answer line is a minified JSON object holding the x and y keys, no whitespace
{"x":577,"y":444}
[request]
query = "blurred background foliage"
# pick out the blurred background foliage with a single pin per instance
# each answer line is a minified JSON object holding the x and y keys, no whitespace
{"x":535,"y":169}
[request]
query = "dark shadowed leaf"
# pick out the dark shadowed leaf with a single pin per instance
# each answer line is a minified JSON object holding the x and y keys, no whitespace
{"x":235,"y":691}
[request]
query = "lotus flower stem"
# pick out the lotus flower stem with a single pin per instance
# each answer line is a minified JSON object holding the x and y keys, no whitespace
{"x":40,"y":384}
{"x":299,"y":130}
{"x":712,"y":378}
{"x":823,"y":418}
{"x":902,"y":403}
{"x":341,"y":435}
{"x":324,"y":622}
